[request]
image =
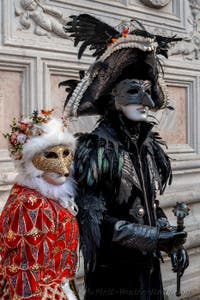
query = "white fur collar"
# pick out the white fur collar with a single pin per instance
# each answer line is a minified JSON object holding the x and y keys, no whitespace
{"x":64,"y":193}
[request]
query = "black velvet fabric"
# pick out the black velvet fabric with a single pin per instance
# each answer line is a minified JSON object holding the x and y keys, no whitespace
{"x":138,"y":278}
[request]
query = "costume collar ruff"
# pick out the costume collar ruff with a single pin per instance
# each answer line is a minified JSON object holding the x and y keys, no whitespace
{"x":64,"y":193}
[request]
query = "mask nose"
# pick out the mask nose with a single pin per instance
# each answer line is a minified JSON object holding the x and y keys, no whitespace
{"x":146,"y":100}
{"x":64,"y":171}
{"x":63,"y":168}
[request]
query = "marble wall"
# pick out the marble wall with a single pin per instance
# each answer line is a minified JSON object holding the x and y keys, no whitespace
{"x":173,"y":127}
{"x":35,"y":55}
{"x":10,"y":97}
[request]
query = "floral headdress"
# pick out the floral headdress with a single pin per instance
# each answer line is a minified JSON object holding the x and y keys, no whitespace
{"x":24,"y":129}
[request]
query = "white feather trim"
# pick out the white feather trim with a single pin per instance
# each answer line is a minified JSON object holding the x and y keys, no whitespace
{"x":67,"y":291}
{"x":54,"y":133}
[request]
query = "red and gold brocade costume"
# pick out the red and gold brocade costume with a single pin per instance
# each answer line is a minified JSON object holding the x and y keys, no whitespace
{"x":38,"y":246}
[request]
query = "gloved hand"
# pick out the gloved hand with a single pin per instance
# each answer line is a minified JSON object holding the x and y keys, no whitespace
{"x":171,"y":240}
{"x":147,"y":238}
{"x":135,"y":236}
{"x":179,"y":260}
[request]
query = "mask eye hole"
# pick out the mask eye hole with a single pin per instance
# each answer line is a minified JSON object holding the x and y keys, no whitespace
{"x":50,"y":154}
{"x":65,"y":152}
{"x":133,"y":91}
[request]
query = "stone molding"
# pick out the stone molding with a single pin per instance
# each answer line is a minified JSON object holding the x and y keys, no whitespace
{"x":27,"y":66}
{"x":189,"y":48}
{"x":15,"y":35}
{"x":155,"y":3}
{"x":186,"y":76}
{"x":42,"y":33}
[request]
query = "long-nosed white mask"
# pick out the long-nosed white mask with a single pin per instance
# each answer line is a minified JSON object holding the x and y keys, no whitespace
{"x":133,"y":98}
{"x":135,"y":112}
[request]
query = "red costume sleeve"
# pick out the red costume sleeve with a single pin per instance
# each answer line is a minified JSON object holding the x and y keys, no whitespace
{"x":38,"y":243}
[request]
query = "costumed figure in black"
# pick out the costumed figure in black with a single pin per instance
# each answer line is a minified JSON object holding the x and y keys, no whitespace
{"x":121,"y":166}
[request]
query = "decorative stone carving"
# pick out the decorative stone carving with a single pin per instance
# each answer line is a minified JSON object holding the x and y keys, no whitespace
{"x":46,"y":19}
{"x":190,"y":46}
{"x":125,"y":2}
{"x":155,"y":3}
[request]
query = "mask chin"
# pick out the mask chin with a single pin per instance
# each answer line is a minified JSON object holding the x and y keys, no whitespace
{"x":54,"y":178}
{"x":135,"y":112}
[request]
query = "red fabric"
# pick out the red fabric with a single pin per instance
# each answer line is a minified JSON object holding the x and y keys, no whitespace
{"x":38,"y":243}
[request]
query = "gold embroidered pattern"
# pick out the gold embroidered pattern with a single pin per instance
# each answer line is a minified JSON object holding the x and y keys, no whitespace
{"x":36,"y":267}
{"x":47,"y":278}
{"x":34,"y":232}
{"x":13,"y":268}
{"x":32,"y":199}
{"x":10,"y":234}
{"x":30,"y":236}
{"x":52,"y":228}
{"x":56,"y":250}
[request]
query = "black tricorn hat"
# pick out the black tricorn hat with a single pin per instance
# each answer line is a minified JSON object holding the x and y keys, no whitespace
{"x":130,"y":54}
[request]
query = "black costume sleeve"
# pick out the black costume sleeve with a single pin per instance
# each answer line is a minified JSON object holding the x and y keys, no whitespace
{"x":90,"y":216}
{"x":131,"y":235}
{"x":136,"y":236}
{"x":94,"y":160}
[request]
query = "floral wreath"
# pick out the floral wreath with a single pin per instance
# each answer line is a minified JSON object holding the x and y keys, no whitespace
{"x":23,"y":129}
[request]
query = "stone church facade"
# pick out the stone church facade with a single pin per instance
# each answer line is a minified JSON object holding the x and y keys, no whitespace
{"x":36,"y":54}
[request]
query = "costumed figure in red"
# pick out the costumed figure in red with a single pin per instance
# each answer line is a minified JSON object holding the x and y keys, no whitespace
{"x":38,"y":227}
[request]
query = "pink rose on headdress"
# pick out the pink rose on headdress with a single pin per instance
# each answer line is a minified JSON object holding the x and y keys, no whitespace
{"x":23,"y":126}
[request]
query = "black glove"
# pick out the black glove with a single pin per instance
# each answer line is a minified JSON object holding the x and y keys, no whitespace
{"x":171,"y":240}
{"x":136,"y":236}
{"x":147,"y":238}
{"x":179,"y":260}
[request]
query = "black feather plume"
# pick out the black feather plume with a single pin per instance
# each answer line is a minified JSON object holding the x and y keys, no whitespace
{"x":163,"y":41}
{"x":90,"y":215}
{"x":161,"y":160}
{"x":92,"y":32}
